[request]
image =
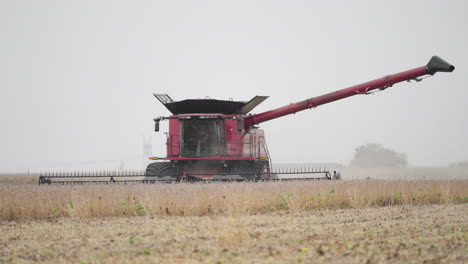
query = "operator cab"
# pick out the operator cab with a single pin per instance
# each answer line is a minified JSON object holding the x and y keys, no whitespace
{"x":201,"y":138}
{"x":200,"y":128}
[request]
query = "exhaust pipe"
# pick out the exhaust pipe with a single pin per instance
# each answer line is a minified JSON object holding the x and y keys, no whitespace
{"x":436,"y":64}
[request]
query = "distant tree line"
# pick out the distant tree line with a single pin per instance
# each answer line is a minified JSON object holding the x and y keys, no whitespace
{"x":460,"y":164}
{"x":376,"y":156}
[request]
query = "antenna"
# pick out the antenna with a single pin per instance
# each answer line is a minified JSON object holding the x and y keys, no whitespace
{"x":146,"y":151}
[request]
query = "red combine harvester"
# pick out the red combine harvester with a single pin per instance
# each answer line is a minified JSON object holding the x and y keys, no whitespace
{"x":214,"y":139}
{"x":219,"y":140}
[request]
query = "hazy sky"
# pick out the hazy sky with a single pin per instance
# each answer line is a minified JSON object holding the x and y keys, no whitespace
{"x":77,"y":77}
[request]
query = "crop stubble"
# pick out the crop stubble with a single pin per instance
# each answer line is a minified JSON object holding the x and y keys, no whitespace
{"x":393,"y":234}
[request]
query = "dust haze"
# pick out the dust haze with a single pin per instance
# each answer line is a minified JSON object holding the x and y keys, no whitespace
{"x":77,"y":78}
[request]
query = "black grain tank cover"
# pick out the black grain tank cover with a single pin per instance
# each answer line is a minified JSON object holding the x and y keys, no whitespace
{"x":209,"y":106}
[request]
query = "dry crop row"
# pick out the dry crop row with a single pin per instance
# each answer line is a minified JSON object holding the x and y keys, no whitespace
{"x":38,"y":202}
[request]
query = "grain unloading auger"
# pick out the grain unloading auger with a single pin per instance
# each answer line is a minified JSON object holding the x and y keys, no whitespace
{"x":216,"y":140}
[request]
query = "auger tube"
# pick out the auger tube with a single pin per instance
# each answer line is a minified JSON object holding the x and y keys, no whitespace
{"x":436,"y":64}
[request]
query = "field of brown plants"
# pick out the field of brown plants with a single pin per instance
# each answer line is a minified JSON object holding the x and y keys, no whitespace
{"x":351,"y":221}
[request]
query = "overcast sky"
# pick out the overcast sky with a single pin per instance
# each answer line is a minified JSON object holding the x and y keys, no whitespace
{"x":77,"y":77}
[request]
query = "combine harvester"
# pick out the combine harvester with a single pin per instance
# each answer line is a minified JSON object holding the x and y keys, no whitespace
{"x":215,"y":140}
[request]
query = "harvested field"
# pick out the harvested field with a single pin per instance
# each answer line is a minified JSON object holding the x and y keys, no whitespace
{"x":394,"y":234}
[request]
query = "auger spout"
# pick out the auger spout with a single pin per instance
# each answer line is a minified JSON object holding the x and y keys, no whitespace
{"x":436,"y":64}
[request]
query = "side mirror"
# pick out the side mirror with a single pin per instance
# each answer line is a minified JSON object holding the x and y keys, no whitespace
{"x":156,"y":124}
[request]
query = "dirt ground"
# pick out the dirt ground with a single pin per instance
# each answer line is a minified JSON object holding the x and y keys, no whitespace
{"x":391,"y":234}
